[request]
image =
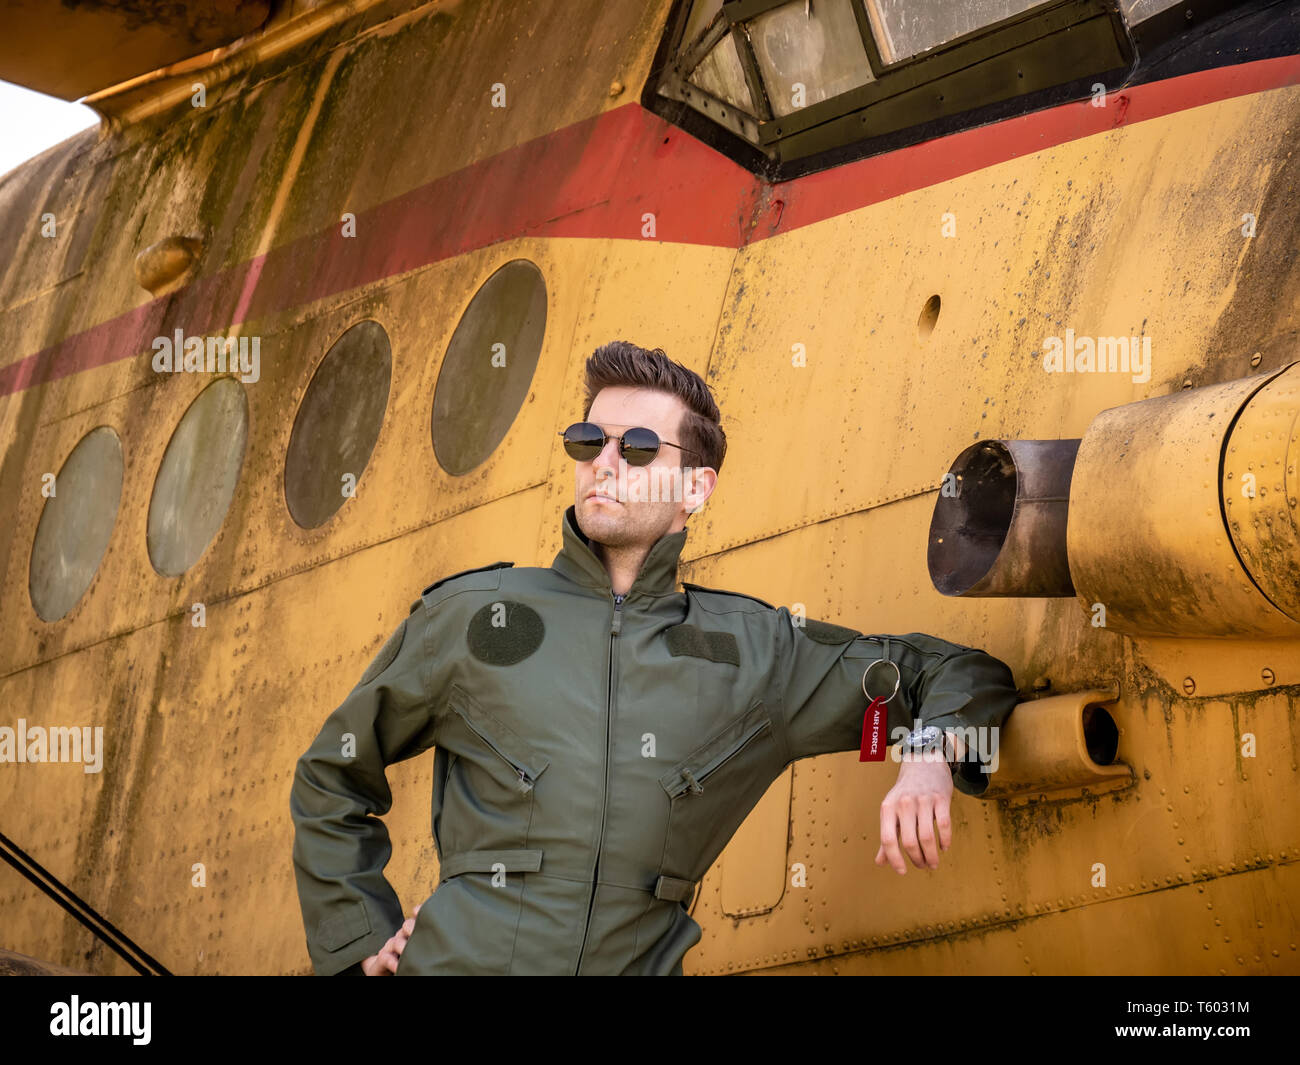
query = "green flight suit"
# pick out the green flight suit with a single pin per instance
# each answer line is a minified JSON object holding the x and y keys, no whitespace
{"x":592,"y":759}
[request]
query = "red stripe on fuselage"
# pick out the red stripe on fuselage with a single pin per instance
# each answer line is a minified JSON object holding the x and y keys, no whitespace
{"x":599,"y":179}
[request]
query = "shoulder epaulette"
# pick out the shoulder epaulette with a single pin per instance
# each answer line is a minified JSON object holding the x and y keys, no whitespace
{"x":723,"y":591}
{"x":462,"y":573}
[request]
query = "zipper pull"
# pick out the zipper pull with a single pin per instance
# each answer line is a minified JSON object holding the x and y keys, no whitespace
{"x":617,"y":625}
{"x":693,"y":784}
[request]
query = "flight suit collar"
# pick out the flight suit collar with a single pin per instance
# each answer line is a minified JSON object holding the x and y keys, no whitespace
{"x":578,"y":561}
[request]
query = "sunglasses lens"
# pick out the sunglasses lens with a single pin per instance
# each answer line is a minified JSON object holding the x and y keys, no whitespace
{"x":583,"y":441}
{"x":640,"y":446}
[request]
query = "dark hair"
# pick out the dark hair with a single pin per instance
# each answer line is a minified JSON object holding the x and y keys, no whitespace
{"x":620,"y":363}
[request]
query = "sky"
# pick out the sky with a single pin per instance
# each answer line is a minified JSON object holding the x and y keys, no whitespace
{"x":30,"y":122}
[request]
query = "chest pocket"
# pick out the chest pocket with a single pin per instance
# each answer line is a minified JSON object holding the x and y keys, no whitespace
{"x":491,"y":773}
{"x":713,"y":789}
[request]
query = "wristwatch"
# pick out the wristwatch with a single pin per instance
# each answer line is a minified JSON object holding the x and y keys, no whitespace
{"x":923,"y":740}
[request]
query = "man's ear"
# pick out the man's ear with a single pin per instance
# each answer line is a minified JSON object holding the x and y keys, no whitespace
{"x":699,"y":486}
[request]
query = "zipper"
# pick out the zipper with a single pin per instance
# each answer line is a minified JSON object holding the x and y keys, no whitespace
{"x":615,"y":627}
{"x":695,"y":781}
{"x":526,"y":779}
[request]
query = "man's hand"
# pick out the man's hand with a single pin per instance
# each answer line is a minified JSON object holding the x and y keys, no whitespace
{"x":919,"y":800}
{"x":385,"y":962}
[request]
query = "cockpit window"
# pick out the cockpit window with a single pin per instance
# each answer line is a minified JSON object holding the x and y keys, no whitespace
{"x":787,"y":87}
{"x":807,"y":53}
{"x":1138,"y":10}
{"x":904,"y":28}
{"x":721,"y":74}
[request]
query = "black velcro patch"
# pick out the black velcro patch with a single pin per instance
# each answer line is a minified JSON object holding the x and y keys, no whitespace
{"x":699,"y":643}
{"x":386,"y":654}
{"x":825,"y":632}
{"x":504,"y":633}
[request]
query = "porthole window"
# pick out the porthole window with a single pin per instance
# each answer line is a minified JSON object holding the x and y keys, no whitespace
{"x":338,"y":424}
{"x":76,"y":524}
{"x":489,"y":366}
{"x":197,"y":478}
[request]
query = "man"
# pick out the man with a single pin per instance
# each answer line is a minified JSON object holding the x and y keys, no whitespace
{"x":600,"y":735}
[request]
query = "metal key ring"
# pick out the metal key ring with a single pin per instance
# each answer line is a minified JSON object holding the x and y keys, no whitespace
{"x":898,"y":677}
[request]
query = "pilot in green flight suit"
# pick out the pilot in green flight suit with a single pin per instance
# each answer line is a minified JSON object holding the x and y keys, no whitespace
{"x":599,"y":735}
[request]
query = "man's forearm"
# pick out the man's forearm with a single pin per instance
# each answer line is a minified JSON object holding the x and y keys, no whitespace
{"x":339,"y":853}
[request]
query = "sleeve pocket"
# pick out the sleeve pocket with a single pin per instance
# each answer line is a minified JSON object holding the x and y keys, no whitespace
{"x":346,"y":926}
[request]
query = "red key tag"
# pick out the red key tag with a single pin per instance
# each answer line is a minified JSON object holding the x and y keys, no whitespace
{"x":873,"y":731}
{"x":876,"y":719}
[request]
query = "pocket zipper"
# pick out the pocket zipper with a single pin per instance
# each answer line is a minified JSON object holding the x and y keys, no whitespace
{"x":526,"y":780}
{"x":694,"y":782}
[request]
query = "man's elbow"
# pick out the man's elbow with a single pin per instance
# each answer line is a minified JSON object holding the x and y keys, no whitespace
{"x":307,"y":791}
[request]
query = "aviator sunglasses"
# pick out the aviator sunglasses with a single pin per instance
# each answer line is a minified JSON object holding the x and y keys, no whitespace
{"x":638,"y":446}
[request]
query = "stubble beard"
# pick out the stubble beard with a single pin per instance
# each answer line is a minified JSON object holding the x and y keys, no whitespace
{"x":624,"y":525}
{"x":610,"y":529}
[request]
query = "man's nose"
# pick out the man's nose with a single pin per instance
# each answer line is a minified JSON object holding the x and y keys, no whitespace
{"x":608,"y":457}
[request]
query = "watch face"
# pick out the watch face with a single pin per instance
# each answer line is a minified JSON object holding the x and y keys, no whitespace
{"x":926,"y":741}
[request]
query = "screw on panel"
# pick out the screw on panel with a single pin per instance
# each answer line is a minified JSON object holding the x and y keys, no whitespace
{"x":1189,"y":685}
{"x":1266,"y":675}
